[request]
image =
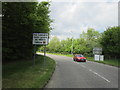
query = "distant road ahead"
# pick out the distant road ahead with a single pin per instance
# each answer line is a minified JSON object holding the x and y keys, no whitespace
{"x":71,"y":74}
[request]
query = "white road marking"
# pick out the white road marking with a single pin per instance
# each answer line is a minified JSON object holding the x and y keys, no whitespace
{"x":95,"y":73}
{"x":99,"y":75}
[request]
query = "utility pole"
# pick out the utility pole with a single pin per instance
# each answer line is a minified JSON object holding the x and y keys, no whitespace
{"x":72,"y":44}
{"x":72,"y":47}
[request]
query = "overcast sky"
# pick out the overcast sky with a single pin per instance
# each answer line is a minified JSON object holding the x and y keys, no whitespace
{"x":72,"y":17}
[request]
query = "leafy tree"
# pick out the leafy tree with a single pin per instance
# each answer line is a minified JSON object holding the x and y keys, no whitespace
{"x":111,"y":41}
{"x":92,"y":38}
{"x":17,"y":29}
{"x":62,"y":45}
{"x":68,"y":45}
{"x":54,"y":45}
{"x":20,"y":20}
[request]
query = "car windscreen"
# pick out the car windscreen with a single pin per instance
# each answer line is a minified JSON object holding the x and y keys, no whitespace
{"x":79,"y":56}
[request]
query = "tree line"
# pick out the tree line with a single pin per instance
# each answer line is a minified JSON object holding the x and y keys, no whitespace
{"x":19,"y":21}
{"x":109,"y":41}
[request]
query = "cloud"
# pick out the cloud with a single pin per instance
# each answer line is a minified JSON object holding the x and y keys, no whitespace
{"x":84,"y":0}
{"x":79,"y":16}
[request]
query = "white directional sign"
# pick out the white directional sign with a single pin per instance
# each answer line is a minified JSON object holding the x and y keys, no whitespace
{"x":40,"y":38}
{"x":101,"y":57}
{"x":96,"y":57}
{"x":97,"y":50}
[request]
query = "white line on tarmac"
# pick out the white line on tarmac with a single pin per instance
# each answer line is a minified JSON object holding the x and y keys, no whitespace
{"x":99,"y":75}
{"x":95,"y":73}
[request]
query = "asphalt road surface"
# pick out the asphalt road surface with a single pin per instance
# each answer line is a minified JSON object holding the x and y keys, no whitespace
{"x":71,"y":74}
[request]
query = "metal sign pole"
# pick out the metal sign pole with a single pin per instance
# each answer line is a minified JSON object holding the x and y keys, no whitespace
{"x":34,"y":56}
{"x":44,"y":54}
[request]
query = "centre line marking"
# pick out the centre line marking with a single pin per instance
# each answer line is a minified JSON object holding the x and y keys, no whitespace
{"x":99,"y":75}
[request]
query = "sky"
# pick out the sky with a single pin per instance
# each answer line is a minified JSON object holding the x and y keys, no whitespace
{"x":72,"y":17}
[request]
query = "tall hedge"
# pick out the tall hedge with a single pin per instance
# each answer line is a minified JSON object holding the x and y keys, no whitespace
{"x":20,"y":20}
{"x":111,"y":42}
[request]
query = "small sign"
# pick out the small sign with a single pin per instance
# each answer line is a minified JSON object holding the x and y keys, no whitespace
{"x":96,"y":57}
{"x":101,"y":57}
{"x":97,"y":51}
{"x":40,"y":38}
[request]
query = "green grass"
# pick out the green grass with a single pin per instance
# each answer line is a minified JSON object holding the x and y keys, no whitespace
{"x":22,"y":74}
{"x":109,"y":62}
{"x":69,"y":55}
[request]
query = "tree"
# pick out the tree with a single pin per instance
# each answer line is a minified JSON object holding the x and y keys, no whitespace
{"x":54,"y":45}
{"x":20,"y":20}
{"x":92,"y":38}
{"x":17,"y":29}
{"x":111,"y":41}
{"x":68,"y":45}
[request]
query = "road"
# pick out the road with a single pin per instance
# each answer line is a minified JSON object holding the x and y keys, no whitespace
{"x":71,"y":74}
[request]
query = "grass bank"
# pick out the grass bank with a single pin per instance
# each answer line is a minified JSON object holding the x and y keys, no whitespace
{"x":112,"y":62}
{"x":69,"y":55}
{"x":22,"y":74}
{"x":109,"y":62}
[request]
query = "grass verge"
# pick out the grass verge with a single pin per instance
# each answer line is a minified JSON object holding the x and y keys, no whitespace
{"x":69,"y":55}
{"x":109,"y":62}
{"x":22,"y":74}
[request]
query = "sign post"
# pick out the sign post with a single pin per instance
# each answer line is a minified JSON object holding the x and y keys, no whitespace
{"x":44,"y":54}
{"x":97,"y":54}
{"x":40,"y":39}
{"x":34,"y":55}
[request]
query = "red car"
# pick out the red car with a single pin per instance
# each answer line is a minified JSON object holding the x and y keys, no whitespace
{"x":79,"y":57}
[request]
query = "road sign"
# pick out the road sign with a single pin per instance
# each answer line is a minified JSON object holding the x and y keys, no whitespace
{"x":40,"y":38}
{"x":97,"y":51}
{"x":96,"y":57}
{"x":101,"y":57}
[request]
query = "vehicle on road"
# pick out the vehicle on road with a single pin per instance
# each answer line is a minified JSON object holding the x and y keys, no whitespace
{"x":79,"y":58}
